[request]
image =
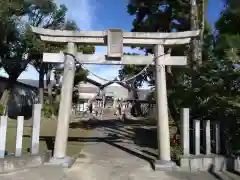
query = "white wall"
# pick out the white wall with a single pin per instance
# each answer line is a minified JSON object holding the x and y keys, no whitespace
{"x":87,"y":95}
{"x":116,"y":91}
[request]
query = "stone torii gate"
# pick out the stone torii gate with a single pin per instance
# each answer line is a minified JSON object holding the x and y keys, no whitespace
{"x":114,"y":39}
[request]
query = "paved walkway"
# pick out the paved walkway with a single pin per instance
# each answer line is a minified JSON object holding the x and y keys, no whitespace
{"x":107,"y":158}
{"x":110,"y":161}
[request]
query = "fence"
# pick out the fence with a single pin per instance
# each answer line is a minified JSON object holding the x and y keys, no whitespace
{"x":199,"y":137}
{"x":200,"y":142}
{"x":34,"y":146}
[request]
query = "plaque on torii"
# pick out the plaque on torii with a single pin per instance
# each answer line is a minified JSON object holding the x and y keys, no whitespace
{"x":115,"y":39}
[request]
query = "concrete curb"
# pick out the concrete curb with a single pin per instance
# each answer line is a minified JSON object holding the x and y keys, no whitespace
{"x":11,"y":163}
{"x":209,"y":163}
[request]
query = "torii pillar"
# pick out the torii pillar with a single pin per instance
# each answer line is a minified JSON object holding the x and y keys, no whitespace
{"x":64,"y":113}
{"x":162,"y":107}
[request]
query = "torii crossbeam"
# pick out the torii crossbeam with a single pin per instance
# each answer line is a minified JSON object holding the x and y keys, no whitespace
{"x":115,"y":39}
{"x":124,"y":60}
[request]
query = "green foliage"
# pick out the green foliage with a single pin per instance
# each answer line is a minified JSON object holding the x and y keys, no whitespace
{"x":47,"y":16}
{"x":12,"y":45}
{"x":80,"y":75}
{"x":50,"y":110}
{"x":213,"y":91}
{"x":47,"y":111}
{"x":1,"y":109}
{"x":176,"y":152}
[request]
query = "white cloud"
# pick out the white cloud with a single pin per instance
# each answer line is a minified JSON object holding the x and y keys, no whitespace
{"x":81,"y":11}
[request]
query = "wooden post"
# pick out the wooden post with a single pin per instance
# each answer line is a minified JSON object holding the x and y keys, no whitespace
{"x":3,"y":132}
{"x":20,"y":122}
{"x":36,"y":129}
{"x":65,"y":104}
{"x":185,"y":141}
{"x":162,"y":106}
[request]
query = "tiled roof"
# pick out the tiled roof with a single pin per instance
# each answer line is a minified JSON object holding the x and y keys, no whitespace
{"x":34,"y":83}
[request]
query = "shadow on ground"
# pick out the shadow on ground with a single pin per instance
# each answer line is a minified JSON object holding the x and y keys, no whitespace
{"x":120,"y":134}
{"x":132,"y":137}
{"x":140,"y":132}
{"x":125,"y":134}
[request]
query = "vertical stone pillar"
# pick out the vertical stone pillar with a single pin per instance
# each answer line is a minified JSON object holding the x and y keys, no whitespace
{"x":36,"y":129}
{"x":162,"y":106}
{"x":217,"y":137}
{"x":207,"y":136}
{"x":65,"y":104}
{"x":19,"y":138}
{"x":185,"y":141}
{"x":3,"y":135}
{"x":197,"y":136}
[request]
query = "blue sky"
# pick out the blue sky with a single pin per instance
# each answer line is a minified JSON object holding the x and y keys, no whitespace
{"x":104,"y":14}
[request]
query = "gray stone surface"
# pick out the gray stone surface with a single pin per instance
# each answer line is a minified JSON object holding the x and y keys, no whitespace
{"x":11,"y":163}
{"x":75,"y":173}
{"x":185,"y":130}
{"x":19,"y":137}
{"x":3,"y":133}
{"x":164,"y":165}
{"x":205,"y":162}
{"x":37,"y":110}
{"x":40,"y":173}
{"x":64,"y":162}
{"x":103,"y":160}
{"x":110,"y":160}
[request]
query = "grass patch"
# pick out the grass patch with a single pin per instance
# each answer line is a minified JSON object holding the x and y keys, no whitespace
{"x":47,"y":136}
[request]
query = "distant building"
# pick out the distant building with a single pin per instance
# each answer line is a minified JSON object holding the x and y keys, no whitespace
{"x":21,"y":99}
{"x":108,"y":92}
{"x":25,"y":94}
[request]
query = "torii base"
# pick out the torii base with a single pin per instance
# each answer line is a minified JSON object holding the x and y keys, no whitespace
{"x":65,"y":162}
{"x":161,"y":165}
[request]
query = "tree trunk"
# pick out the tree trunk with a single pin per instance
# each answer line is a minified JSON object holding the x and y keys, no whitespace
{"x":137,"y":105}
{"x":41,"y":86}
{"x":6,"y":94}
{"x":203,"y":10}
{"x":195,"y":42}
{"x":49,"y":86}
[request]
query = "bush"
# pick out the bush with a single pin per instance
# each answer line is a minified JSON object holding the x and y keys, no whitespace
{"x":2,"y":107}
{"x":50,"y":110}
{"x":176,"y":152}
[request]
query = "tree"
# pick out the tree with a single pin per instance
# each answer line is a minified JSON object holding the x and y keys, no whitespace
{"x":12,"y":44}
{"x":80,"y":76}
{"x":46,"y":15}
{"x":164,"y":16}
{"x":227,"y":50}
{"x":129,"y":71}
